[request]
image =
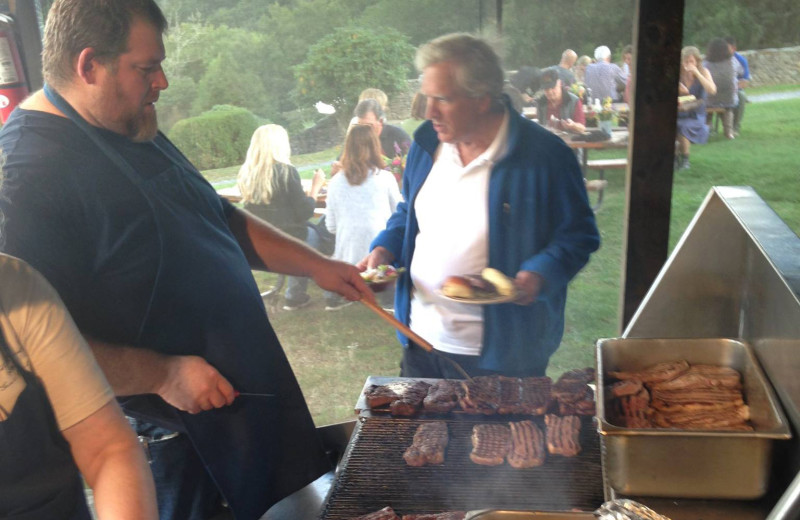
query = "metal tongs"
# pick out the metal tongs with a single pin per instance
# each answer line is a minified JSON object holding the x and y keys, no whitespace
{"x":413,"y":336}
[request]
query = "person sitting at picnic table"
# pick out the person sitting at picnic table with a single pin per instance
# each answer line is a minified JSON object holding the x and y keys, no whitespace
{"x":558,"y":108}
{"x":722,"y":66}
{"x":271,"y":190}
{"x":359,"y":202}
{"x":695,"y":80}
{"x":605,"y":79}
{"x":580,"y":68}
{"x":527,"y":82}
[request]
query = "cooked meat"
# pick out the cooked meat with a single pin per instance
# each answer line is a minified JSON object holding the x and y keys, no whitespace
{"x":442,"y":396}
{"x":409,"y":391}
{"x":625,"y":387}
{"x":490,"y":444}
{"x":562,"y":435}
{"x":510,"y":395}
{"x":387,"y":513}
{"x":536,"y":392}
{"x":703,"y":376}
{"x":482,"y":287}
{"x":701,"y":395}
{"x":727,"y":419}
{"x":481,"y":395}
{"x":587,"y":375}
{"x":655,"y":374}
{"x":450,"y":515}
{"x":429,"y":444}
{"x":527,"y":445}
{"x":585,"y":406}
{"x":633,"y":411}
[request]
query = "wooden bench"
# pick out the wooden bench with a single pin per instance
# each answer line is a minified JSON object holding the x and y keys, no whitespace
{"x":601,"y":165}
{"x":714,"y":116}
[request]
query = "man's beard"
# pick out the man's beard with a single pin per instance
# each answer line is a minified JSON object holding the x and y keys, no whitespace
{"x":143,"y":128}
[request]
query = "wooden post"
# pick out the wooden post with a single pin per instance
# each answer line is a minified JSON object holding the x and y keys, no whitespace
{"x":658,"y":35}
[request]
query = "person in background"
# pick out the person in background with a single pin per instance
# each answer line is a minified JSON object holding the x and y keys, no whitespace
{"x":743,"y":81}
{"x":564,"y":67}
{"x":393,"y":139}
{"x":271,"y":190}
{"x":605,"y":79}
{"x":483,"y":187}
{"x":156,"y":268}
{"x":58,"y":416}
{"x":627,"y":59}
{"x":559,"y":108}
{"x":695,"y":80}
{"x":376,"y":94}
{"x":580,"y":68}
{"x":527,"y":81}
{"x":360,"y":200}
{"x":722,"y":66}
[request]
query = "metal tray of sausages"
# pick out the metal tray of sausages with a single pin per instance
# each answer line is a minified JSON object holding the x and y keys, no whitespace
{"x":689,"y":463}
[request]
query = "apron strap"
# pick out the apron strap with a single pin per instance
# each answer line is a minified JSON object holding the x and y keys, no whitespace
{"x":125,"y":167}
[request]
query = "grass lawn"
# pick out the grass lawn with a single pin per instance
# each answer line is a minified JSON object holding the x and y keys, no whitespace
{"x":333,"y":352}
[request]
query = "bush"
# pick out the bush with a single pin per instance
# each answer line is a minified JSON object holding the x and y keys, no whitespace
{"x":217,"y":138}
{"x":347,"y":61}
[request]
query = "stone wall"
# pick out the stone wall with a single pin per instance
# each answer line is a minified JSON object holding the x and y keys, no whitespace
{"x":774,"y":66}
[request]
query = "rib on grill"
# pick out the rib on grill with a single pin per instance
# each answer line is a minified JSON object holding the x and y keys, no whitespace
{"x":429,"y":444}
{"x":490,"y":444}
{"x":403,"y":397}
{"x":562,"y":435}
{"x":527,"y":445}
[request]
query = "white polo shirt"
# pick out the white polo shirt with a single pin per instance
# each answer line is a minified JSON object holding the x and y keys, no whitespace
{"x":453,"y":215}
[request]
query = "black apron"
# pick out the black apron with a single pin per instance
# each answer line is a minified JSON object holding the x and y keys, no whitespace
{"x":38,"y":477}
{"x":204,"y":299}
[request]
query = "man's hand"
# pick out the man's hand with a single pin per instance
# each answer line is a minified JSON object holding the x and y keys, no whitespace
{"x":378,"y":256}
{"x":529,"y":284}
{"x":343,"y":278}
{"x":192,"y":385}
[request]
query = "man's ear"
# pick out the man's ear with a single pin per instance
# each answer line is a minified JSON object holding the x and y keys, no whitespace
{"x":87,"y":66}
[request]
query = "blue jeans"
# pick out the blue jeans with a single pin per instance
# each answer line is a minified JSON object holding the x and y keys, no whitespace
{"x":184,"y":489}
{"x":297,"y":286}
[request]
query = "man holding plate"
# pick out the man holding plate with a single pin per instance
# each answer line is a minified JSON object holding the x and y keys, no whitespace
{"x":483,"y":187}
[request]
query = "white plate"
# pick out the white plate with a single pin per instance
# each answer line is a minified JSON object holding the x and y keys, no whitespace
{"x":491,"y":300}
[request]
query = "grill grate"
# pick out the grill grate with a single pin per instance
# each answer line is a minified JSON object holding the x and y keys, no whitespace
{"x":374,"y":475}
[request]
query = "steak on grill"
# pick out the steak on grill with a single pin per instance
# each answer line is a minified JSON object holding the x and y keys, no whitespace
{"x":535,"y":395}
{"x":481,"y":395}
{"x":571,"y":387}
{"x":410,"y":392}
{"x":562,"y":435}
{"x":387,"y":513}
{"x":527,"y":445}
{"x":442,"y":396}
{"x":429,"y":444}
{"x":655,"y":374}
{"x":490,"y":444}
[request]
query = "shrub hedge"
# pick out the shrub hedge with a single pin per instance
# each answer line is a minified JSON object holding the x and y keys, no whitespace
{"x":217,"y":138}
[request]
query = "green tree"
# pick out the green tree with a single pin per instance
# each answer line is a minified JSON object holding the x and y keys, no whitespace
{"x":347,"y":61}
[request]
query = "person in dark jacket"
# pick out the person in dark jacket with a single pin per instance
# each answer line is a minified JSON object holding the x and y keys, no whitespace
{"x":484,"y":187}
{"x":271,"y":190}
{"x":559,"y":108}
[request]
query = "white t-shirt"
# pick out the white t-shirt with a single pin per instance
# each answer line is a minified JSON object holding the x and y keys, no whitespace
{"x":453,"y":215}
{"x":44,"y":339}
{"x":356,"y":214}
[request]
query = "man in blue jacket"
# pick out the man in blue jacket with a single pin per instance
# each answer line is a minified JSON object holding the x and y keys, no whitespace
{"x":483,"y":187}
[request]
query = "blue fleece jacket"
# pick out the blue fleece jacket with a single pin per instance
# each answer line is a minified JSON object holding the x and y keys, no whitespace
{"x":539,"y":220}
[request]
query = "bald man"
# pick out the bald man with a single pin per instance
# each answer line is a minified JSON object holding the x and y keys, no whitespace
{"x":564,"y":67}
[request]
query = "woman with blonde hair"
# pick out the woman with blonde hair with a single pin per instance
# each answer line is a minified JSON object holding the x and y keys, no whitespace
{"x":360,"y":199}
{"x":695,"y":80}
{"x":271,"y":190}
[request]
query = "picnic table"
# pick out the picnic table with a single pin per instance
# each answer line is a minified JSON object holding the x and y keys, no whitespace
{"x":232,"y":194}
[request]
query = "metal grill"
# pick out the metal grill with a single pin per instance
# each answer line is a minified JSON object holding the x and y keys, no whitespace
{"x":373,"y":474}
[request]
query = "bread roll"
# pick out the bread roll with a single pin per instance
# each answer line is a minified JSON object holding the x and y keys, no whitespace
{"x":503,"y":284}
{"x":457,"y":287}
